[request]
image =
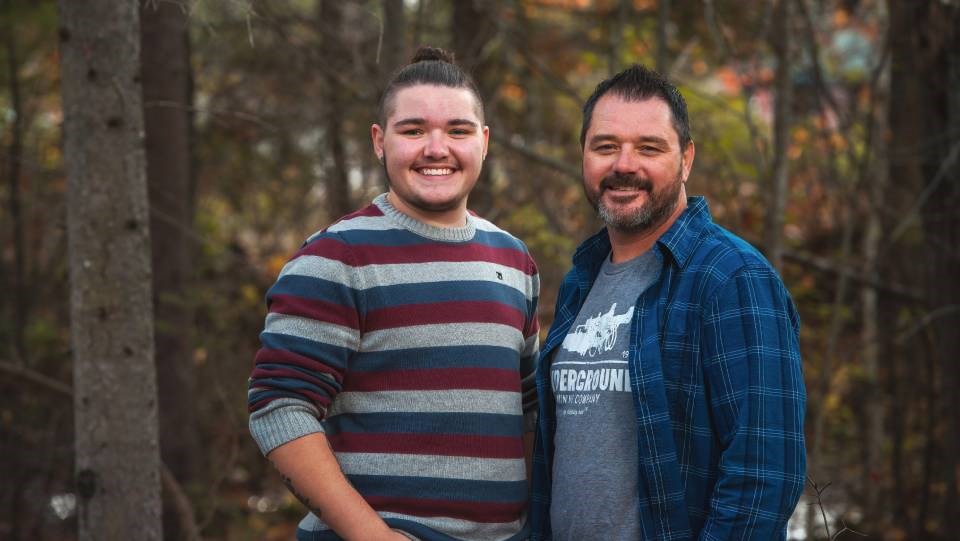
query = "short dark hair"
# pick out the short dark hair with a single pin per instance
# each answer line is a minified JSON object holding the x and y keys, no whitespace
{"x":638,"y":83}
{"x":429,"y":66}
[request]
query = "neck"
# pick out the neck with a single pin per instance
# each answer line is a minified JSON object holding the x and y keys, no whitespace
{"x":452,"y":218}
{"x":626,"y":245}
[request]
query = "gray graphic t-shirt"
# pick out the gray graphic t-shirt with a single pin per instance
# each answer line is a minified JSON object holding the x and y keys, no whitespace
{"x":595,"y":462}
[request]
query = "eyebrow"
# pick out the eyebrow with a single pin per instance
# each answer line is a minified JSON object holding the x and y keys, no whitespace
{"x":417,"y":121}
{"x":609,"y":137}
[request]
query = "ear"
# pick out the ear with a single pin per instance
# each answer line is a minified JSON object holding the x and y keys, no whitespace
{"x":486,"y":139}
{"x":376,"y":136}
{"x":688,"y":155}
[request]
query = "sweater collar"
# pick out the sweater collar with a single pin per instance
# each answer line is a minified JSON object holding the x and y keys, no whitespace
{"x":432,"y":232}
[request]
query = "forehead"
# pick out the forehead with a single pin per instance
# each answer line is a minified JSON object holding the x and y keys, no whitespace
{"x":434,"y":103}
{"x":615,"y":116}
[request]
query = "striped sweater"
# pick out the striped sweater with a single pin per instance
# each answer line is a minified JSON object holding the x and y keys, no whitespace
{"x":412,"y":348}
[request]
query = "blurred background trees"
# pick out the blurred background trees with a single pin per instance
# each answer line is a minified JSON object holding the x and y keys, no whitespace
{"x":827,"y":131}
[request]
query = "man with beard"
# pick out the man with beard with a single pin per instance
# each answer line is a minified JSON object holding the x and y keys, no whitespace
{"x":398,"y":352}
{"x":671,"y":393}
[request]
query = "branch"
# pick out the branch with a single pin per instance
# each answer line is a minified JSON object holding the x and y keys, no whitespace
{"x":927,"y":319}
{"x":927,"y":192}
{"x":36,"y":377}
{"x":188,"y":524}
{"x":823,"y":264}
{"x":560,"y":166}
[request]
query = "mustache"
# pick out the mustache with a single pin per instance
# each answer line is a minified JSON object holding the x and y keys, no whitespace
{"x":625,"y":180}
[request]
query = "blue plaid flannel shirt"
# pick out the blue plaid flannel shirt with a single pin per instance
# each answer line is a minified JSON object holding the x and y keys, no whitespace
{"x":717,"y":385}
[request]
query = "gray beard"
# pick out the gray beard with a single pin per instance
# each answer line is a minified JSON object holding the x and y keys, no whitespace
{"x":660,"y":206}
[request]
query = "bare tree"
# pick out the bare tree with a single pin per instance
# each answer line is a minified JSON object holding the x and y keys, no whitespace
{"x":663,"y":47}
{"x":331,"y":19}
{"x":165,"y":59}
{"x":115,"y":395}
{"x":924,"y":115}
{"x":393,"y":50}
{"x":777,"y":196}
{"x":13,"y":176}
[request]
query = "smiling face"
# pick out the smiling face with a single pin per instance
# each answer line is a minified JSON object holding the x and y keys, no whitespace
{"x":633,"y":167}
{"x":432,"y":146}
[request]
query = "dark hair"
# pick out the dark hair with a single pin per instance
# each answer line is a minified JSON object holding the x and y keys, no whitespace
{"x":429,"y":66}
{"x":638,"y":83}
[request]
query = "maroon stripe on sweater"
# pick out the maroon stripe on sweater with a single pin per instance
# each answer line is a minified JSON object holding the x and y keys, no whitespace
{"x":483,"y":512}
{"x":435,"y":252}
{"x":428,"y":444}
{"x":261,"y":372}
{"x":433,"y":379}
{"x":284,"y":356}
{"x":328,"y":247}
{"x":318,"y":399}
{"x":323,"y":311}
{"x":408,"y":315}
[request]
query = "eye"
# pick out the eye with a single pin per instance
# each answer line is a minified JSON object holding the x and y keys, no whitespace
{"x":649,"y":149}
{"x":412,"y":131}
{"x":605,"y":148}
{"x":460,"y":132}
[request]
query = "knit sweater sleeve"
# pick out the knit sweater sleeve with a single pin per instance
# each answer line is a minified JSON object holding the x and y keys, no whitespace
{"x":311,"y":330}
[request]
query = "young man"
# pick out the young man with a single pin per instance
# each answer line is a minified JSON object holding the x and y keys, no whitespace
{"x":671,"y":393}
{"x":399,"y":348}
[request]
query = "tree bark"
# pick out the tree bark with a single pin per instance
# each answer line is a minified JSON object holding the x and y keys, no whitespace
{"x":663,"y":47}
{"x":111,"y":333}
{"x":13,"y":177}
{"x":394,"y":50}
{"x":924,"y":113}
{"x":479,"y":16}
{"x":872,"y":487}
{"x":781,"y":137}
{"x":331,"y":19}
{"x":165,"y":58}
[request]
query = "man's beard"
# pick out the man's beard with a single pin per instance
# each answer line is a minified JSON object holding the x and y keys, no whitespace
{"x":659,"y":206}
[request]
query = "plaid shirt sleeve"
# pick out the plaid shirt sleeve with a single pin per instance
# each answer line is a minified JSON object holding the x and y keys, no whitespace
{"x":752,"y":374}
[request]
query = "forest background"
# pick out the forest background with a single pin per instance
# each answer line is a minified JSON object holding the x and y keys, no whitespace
{"x":827,"y":132}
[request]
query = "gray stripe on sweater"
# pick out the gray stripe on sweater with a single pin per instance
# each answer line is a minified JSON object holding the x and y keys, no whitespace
{"x":455,"y":401}
{"x":311,"y":329}
{"x":445,"y":334}
{"x":444,"y":467}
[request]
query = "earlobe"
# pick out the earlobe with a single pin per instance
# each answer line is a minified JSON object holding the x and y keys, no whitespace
{"x":486,"y":142}
{"x":688,"y":155}
{"x":376,"y":137}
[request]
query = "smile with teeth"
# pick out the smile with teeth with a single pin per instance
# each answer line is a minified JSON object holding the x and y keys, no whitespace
{"x":435,"y":171}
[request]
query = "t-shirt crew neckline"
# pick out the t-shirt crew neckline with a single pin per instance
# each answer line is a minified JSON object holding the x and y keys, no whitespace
{"x":610,"y":268}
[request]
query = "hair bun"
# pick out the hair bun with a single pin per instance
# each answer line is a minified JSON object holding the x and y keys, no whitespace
{"x":426,"y":54}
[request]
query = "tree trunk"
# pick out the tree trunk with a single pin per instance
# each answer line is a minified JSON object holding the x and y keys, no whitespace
{"x":13,"y":176}
{"x":924,"y":113}
{"x":781,"y":137}
{"x":111,"y":332}
{"x":663,"y":47}
{"x":165,"y":58}
{"x":331,"y":19}
{"x":870,"y":338}
{"x":394,"y":50}
{"x":479,"y":16}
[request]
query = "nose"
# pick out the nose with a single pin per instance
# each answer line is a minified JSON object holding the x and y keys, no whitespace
{"x":436,"y":145}
{"x":627,"y":160}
